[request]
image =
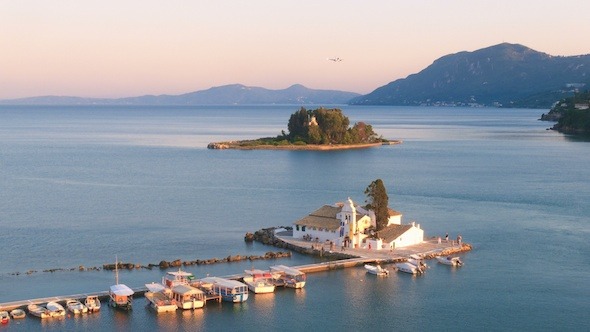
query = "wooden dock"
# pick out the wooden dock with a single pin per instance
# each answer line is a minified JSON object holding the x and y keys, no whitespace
{"x":139,"y":291}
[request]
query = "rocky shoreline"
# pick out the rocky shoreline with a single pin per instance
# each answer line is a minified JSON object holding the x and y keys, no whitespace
{"x":243,"y":145}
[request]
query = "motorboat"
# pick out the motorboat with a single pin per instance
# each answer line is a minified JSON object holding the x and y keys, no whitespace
{"x":259,"y":281}
{"x":39,"y":310}
{"x":418,"y":261}
{"x":4,"y":317}
{"x":187,"y":297}
{"x":18,"y":314}
{"x":448,"y":260}
{"x":120,"y":295}
{"x":288,"y":276}
{"x":76,"y":307}
{"x":92,"y":302}
{"x":56,"y":309}
{"x":409,"y":268}
{"x":376,"y":270}
{"x":159,"y":299}
{"x":229,"y":290}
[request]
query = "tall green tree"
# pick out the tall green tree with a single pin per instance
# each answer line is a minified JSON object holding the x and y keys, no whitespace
{"x":378,"y":201}
{"x":298,"y":125}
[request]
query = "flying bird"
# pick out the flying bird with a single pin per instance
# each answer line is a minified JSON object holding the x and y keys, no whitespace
{"x":335,"y":59}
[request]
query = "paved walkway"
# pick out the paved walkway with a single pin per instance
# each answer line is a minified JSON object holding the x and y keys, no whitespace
{"x":429,"y":246}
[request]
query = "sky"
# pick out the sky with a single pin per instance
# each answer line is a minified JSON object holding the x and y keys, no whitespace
{"x":111,"y":49}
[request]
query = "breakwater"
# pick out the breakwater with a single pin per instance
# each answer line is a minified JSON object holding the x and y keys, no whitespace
{"x":167,"y":264}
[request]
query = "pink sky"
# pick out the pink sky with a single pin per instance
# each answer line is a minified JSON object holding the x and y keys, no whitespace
{"x":129,"y":48}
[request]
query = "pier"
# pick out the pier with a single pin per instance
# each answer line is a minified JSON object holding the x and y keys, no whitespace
{"x":429,"y":249}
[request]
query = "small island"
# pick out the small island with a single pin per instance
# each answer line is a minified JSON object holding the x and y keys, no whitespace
{"x":319,"y":129}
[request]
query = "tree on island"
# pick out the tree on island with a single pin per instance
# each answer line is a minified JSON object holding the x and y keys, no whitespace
{"x":378,"y":201}
{"x":327,"y":126}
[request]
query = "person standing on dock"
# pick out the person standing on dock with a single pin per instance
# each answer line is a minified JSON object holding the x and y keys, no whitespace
{"x":447,"y":237}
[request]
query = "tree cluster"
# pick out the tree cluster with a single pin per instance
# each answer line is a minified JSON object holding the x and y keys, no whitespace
{"x":327,"y":126}
{"x":572,"y":120}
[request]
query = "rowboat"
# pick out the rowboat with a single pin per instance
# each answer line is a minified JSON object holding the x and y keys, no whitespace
{"x":4,"y":317}
{"x":76,"y":307}
{"x":18,"y":314}
{"x":92,"y":303}
{"x":56,"y":309}
{"x":376,"y":270}
{"x":39,"y":310}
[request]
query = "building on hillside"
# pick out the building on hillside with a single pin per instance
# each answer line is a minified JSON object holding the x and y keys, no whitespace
{"x":352,"y":226}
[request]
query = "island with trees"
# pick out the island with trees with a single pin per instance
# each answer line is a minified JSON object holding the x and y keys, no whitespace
{"x":572,"y":114}
{"x":319,"y":129}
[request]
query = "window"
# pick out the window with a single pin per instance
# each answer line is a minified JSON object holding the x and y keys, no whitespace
{"x":303,"y":228}
{"x":297,"y":227}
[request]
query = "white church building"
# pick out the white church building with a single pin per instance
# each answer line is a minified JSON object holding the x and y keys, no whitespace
{"x":349,"y":225}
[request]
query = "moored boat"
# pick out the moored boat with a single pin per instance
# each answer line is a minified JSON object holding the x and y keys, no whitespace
{"x":376,"y":270}
{"x":188,"y":297}
{"x":174,"y":278}
{"x":18,"y":314}
{"x":159,"y":299}
{"x":56,"y":309}
{"x":259,"y":281}
{"x":229,"y":290}
{"x":39,"y":310}
{"x":448,"y":260}
{"x":92,"y":302}
{"x":120,"y":295}
{"x":76,"y":307}
{"x":4,"y":317}
{"x":288,"y":276}
{"x":409,"y":268}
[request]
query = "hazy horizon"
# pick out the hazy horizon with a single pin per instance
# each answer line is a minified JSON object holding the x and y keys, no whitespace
{"x":107,"y":49}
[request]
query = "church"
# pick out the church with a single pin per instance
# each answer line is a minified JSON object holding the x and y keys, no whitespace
{"x":352,"y":226}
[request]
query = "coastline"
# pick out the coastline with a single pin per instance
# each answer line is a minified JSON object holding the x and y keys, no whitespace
{"x":242,"y":145}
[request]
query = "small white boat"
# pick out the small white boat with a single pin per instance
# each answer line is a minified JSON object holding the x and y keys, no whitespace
{"x":288,"y":276}
{"x":76,"y":307}
{"x":4,"y":317}
{"x":158,"y":299}
{"x":39,"y":310}
{"x":448,"y":260}
{"x":409,"y":268}
{"x":18,"y":314}
{"x":417,"y":261}
{"x":376,"y":270}
{"x":230,"y":290}
{"x":56,"y":309}
{"x":92,"y":302}
{"x":259,"y":281}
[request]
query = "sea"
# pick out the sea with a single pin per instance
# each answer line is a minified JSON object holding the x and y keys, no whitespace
{"x":82,"y":186}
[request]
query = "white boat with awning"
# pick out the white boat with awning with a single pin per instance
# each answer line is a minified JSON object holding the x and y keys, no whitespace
{"x":229,"y":290}
{"x":259,"y":281}
{"x":121,"y":296}
{"x":288,"y":276}
{"x":188,"y":297}
{"x":159,"y":298}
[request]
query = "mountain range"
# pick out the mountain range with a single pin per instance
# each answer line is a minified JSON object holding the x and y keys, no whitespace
{"x":509,"y":75}
{"x":223,"y":95}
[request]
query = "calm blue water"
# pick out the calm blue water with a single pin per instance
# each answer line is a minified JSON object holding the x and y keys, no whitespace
{"x":79,"y":185}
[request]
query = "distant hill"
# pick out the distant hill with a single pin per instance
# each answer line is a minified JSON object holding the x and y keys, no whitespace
{"x":508,"y":75}
{"x":223,"y":95}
